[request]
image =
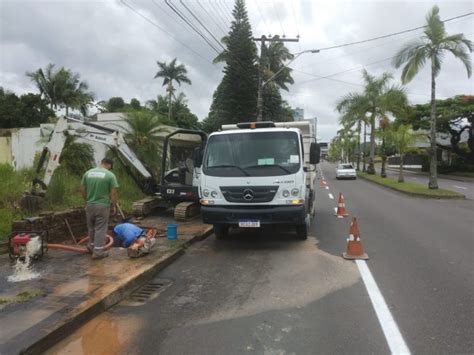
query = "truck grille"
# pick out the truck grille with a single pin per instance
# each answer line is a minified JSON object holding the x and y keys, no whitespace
{"x":249,"y":194}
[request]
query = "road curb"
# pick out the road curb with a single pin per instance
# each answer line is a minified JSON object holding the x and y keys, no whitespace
{"x":122,"y":291}
{"x":413,"y":194}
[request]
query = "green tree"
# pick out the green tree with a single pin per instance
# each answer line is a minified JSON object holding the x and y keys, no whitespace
{"x":377,"y":98}
{"x":402,"y":137}
{"x":76,"y":94}
{"x":143,"y":137}
{"x":76,"y":157}
{"x":432,"y":47}
{"x":350,"y":120}
{"x":181,"y":116}
{"x":235,"y":99}
{"x":114,"y":104}
{"x":62,"y":88}
{"x":172,"y":72}
{"x":28,"y":110}
{"x":135,"y":104}
{"x":454,"y":117}
{"x":49,"y":84}
{"x":384,"y":126}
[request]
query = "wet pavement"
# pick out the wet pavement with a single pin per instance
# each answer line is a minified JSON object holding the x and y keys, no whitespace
{"x":73,"y":286}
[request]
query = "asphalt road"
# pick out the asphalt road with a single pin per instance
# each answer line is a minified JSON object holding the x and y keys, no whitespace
{"x":266,"y":292}
{"x":464,"y":187}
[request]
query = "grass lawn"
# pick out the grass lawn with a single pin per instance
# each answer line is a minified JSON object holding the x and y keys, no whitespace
{"x":62,"y":193}
{"x":410,"y":187}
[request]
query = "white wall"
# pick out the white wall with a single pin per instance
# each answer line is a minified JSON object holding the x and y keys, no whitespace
{"x":25,"y":143}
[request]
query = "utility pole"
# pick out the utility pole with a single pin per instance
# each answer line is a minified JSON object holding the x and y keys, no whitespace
{"x":262,"y":40}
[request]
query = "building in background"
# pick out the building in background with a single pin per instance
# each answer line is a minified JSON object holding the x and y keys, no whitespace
{"x":298,"y":114}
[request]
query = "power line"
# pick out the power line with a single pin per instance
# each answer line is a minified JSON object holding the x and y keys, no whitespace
{"x":391,"y":34}
{"x":263,"y":19}
{"x":228,"y":9}
{"x":202,"y":25}
{"x":294,"y":17}
{"x":278,"y":16}
{"x":191,"y":25}
{"x":224,"y":14}
{"x":212,"y":18}
{"x":353,"y":68}
{"x":237,"y":60}
{"x":218,"y":14}
{"x":372,"y":47}
{"x":348,"y":82}
{"x":153,"y":23}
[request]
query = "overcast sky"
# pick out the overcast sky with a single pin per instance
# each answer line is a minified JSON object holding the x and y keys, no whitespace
{"x":115,"y":49}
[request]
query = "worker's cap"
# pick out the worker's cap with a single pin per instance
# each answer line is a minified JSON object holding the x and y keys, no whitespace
{"x":108,"y":161}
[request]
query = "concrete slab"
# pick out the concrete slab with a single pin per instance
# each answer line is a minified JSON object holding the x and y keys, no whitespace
{"x":73,"y":288}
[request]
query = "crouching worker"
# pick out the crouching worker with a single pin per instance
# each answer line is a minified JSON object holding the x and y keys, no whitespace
{"x":137,"y":241}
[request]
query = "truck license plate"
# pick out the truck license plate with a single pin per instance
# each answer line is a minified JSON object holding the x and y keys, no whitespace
{"x":249,"y":224}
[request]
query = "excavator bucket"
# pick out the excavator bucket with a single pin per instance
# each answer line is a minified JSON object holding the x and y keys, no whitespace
{"x":31,"y":203}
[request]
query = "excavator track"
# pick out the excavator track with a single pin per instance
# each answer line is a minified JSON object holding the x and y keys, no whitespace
{"x":186,"y":210}
{"x":143,"y":207}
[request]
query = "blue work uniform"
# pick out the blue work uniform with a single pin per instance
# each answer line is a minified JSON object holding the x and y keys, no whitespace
{"x":126,"y":233}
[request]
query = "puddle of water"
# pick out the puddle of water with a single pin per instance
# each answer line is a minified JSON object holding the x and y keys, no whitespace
{"x":23,"y":270}
{"x":105,"y":334}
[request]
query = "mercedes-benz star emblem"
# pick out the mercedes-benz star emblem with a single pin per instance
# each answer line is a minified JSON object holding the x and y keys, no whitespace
{"x":248,"y":195}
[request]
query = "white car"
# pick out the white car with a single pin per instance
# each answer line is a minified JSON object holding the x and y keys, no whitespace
{"x":345,"y":171}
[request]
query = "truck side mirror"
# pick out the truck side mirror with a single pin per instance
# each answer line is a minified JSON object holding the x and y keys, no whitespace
{"x":314,"y":153}
{"x":197,"y":157}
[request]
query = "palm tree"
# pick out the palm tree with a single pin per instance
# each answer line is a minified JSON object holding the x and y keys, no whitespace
{"x":384,"y":125}
{"x":432,"y":46}
{"x":143,"y":135}
{"x":172,"y":72}
{"x":349,"y":120}
{"x":48,"y":83}
{"x":273,"y":58}
{"x":402,"y":137}
{"x":76,"y":94}
{"x":378,"y":98}
{"x":62,"y":88}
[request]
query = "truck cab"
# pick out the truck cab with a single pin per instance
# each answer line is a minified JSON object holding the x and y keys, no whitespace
{"x":256,"y":174}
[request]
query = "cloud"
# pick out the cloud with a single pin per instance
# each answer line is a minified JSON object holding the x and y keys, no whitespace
{"x":115,"y":50}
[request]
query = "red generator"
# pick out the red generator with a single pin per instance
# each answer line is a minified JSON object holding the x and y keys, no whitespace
{"x":32,"y":243}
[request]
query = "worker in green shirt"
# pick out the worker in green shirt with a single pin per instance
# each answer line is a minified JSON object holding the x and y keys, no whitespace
{"x":99,"y":188}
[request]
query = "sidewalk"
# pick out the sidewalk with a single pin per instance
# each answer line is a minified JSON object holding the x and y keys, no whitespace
{"x":443,"y":176}
{"x":73,"y":288}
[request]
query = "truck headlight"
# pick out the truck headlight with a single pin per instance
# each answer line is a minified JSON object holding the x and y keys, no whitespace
{"x":295,"y":192}
{"x":285,"y":193}
{"x":205,"y":193}
{"x":213,"y":194}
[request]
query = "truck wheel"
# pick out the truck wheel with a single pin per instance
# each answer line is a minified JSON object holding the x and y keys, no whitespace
{"x":302,"y":232}
{"x":221,"y":231}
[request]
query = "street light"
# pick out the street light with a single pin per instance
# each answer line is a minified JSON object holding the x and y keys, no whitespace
{"x":261,"y":86}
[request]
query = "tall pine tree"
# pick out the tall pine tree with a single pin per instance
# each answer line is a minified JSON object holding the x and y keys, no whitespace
{"x":235,"y":99}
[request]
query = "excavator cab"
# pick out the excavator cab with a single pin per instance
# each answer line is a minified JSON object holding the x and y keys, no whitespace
{"x":180,"y":165}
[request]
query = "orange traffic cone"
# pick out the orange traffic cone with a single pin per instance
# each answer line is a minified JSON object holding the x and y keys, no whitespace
{"x":341,"y":207}
{"x":322,"y":183}
{"x":355,"y":251}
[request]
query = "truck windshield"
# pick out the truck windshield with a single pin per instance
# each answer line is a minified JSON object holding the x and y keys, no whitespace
{"x":252,"y":154}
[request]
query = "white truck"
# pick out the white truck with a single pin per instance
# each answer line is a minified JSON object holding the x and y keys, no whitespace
{"x":259,"y":173}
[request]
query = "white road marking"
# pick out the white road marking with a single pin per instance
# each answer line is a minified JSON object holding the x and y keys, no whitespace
{"x":460,"y":187}
{"x":331,"y":196}
{"x":335,"y":210}
{"x":327,"y":187}
{"x":394,"y":338}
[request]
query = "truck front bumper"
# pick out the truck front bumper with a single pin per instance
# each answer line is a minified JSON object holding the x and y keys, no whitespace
{"x":294,"y":215}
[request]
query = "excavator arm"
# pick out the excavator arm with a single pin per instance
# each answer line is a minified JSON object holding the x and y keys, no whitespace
{"x":93,"y":133}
